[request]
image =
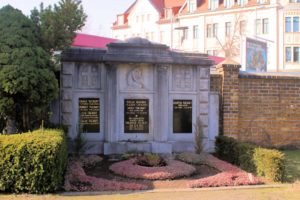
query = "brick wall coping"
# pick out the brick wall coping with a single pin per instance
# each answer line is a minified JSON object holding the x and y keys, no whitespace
{"x":215,"y":74}
{"x":269,"y":75}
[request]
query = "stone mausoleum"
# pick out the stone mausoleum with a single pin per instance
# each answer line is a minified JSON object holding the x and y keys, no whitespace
{"x":137,"y":96}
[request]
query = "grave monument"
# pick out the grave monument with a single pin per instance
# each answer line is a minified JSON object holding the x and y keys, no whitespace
{"x":137,"y":96}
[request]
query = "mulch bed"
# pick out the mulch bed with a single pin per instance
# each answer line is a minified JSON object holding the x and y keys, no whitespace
{"x":102,"y":171}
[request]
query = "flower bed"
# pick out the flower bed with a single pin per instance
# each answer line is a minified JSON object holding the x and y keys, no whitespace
{"x":230,"y":176}
{"x":77,"y":180}
{"x":172,"y":170}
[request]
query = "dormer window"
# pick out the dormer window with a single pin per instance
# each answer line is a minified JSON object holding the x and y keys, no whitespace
{"x":213,"y":4}
{"x":192,"y":5}
{"x":228,"y":3}
{"x":168,"y":13}
{"x":120,"y":19}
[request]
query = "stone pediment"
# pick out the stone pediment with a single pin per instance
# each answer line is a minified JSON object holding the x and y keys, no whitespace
{"x":136,"y":50}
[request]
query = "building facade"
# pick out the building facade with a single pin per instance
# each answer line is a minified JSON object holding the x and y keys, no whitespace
{"x":262,"y":35}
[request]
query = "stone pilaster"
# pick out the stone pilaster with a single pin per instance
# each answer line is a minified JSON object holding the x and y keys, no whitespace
{"x":230,"y":96}
{"x":161,"y":132}
{"x":111,"y":102}
{"x":203,"y":97}
{"x":67,"y":74}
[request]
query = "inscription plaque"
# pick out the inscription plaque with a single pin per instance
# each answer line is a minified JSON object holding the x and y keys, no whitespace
{"x":136,"y":115}
{"x":182,"y":116}
{"x":89,"y":114}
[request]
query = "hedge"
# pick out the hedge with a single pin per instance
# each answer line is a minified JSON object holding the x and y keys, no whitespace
{"x":33,"y":162}
{"x":264,"y":162}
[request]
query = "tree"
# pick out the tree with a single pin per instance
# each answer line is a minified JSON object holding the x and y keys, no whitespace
{"x":231,"y":44}
{"x":57,"y":25}
{"x":26,"y":82}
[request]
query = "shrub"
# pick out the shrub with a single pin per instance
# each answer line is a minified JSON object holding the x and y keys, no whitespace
{"x":33,"y":162}
{"x":270,"y":163}
{"x":150,"y":160}
{"x":265,"y":162}
{"x":225,"y":149}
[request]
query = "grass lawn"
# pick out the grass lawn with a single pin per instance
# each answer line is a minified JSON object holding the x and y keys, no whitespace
{"x":289,"y":192}
{"x":293,"y":165}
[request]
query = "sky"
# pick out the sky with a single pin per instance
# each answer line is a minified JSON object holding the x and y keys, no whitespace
{"x":101,"y":13}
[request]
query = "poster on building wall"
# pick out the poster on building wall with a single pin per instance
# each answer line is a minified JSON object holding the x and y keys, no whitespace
{"x":256,"y":55}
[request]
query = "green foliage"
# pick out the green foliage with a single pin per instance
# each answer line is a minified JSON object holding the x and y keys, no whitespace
{"x":150,"y":160}
{"x":265,"y":162}
{"x":26,"y":81}
{"x":57,"y":24}
{"x":80,"y":142}
{"x":193,"y":158}
{"x":199,"y":136}
{"x":225,"y":149}
{"x":33,"y":162}
{"x":57,"y":126}
{"x":270,"y":163}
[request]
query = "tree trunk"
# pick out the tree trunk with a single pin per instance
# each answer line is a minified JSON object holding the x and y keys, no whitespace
{"x":10,"y":126}
{"x":25,"y":117}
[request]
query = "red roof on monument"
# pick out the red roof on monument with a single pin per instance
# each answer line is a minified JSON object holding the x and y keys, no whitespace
{"x":93,"y":41}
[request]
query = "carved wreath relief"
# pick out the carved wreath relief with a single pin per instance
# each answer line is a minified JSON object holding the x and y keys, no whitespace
{"x":182,"y":78}
{"x":135,"y":78}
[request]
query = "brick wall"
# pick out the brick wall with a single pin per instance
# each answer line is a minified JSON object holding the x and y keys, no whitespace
{"x":257,"y":107}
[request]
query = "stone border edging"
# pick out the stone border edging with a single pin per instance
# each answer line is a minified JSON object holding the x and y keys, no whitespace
{"x":174,"y":190}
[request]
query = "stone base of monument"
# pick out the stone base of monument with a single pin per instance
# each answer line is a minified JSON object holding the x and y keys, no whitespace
{"x":169,"y":147}
{"x":152,"y":147}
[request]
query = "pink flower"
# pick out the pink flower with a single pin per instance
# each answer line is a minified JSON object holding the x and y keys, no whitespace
{"x":77,"y":180}
{"x":230,"y":176}
{"x":173,"y":169}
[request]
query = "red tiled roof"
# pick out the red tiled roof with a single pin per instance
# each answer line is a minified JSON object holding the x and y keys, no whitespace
{"x":93,"y":41}
{"x":217,"y":59}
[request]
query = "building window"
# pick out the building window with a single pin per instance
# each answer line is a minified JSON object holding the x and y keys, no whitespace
{"x":288,"y":24}
{"x":147,"y":36}
{"x":211,"y":52}
{"x":208,"y":30}
{"x":296,"y":54}
{"x":191,"y":6}
{"x":296,"y":24}
{"x":261,"y":1}
{"x":288,"y":54}
{"x":265,"y":26}
{"x":242,"y":2}
{"x":214,"y":4}
{"x":215,"y":32}
{"x":137,"y":19}
{"x":148,"y":17}
{"x":258,"y":26}
{"x":242,"y":27}
{"x":185,"y":34}
{"x":195,"y":34}
{"x":228,"y":3}
{"x":227,"y":28}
